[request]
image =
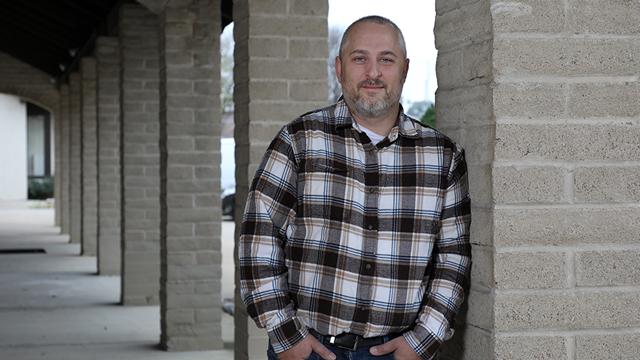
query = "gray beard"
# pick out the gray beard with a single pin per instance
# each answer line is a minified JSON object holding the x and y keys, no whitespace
{"x":368,"y":109}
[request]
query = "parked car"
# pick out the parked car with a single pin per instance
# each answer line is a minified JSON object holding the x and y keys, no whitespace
{"x":228,"y":176}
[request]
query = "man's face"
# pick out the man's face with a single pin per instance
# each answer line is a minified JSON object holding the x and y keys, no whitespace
{"x":371,"y":69}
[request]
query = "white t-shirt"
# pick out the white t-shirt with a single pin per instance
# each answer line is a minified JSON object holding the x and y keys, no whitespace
{"x":374,"y":137}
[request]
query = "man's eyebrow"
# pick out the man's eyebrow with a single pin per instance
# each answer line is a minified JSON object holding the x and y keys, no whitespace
{"x":359,"y":51}
{"x":388,"y":52}
{"x":365,"y":52}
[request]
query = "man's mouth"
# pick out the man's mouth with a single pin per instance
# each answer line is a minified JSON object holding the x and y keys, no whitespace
{"x":372,"y":85}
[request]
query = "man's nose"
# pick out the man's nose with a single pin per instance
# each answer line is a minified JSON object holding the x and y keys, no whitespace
{"x":373,"y":71}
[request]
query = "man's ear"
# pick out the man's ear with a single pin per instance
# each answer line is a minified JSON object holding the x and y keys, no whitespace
{"x":405,"y":70}
{"x":338,"y":66}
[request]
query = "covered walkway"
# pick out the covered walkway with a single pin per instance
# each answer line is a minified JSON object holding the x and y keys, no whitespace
{"x":54,"y":306}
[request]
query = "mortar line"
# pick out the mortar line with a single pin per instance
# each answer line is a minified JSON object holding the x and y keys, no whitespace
{"x":560,"y":79}
{"x":574,"y":291}
{"x":571,"y":347}
{"x":566,"y":164}
{"x":592,"y":206}
{"x":580,"y":247}
{"x":577,"y":332}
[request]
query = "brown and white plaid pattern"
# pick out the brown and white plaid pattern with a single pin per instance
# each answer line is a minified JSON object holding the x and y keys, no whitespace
{"x":341,"y":235}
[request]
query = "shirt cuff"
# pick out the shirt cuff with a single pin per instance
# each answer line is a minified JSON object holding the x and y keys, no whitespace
{"x":423,"y":342}
{"x":287,"y":334}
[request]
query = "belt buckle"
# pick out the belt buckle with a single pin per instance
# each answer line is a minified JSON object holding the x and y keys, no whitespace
{"x":354,"y":347}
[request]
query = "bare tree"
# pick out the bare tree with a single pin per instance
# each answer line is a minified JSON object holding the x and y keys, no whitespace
{"x":226,"y":70}
{"x":335,"y":35}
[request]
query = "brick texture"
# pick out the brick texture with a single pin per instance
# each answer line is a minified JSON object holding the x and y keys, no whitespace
{"x":89,"y":157}
{"x":567,"y":310}
{"x":271,"y":89}
{"x":190,"y":172}
{"x":63,"y":171}
{"x":75,"y":158}
{"x":564,"y":101}
{"x":544,"y":102}
{"x":608,"y":346}
{"x":464,"y":112}
{"x":140,"y":202}
{"x":57,"y":123}
{"x":109,"y":166}
{"x":531,"y":348}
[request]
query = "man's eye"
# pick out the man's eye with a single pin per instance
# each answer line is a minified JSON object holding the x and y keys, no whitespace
{"x":359,"y":59}
{"x":386,"y":60}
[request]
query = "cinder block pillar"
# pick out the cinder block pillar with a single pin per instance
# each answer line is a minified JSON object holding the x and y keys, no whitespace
{"x":57,"y":174}
{"x":543,"y":99}
{"x":138,"y":33}
{"x":464,"y":111}
{"x":75,"y":158}
{"x":63,"y":148}
{"x":280,"y":73}
{"x":89,"y":157}
{"x":190,"y":172}
{"x":109,"y":167}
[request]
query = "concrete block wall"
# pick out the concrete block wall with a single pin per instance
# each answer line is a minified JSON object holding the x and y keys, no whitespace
{"x":464,"y":112}
{"x":89,"y":157}
{"x":63,"y":148}
{"x":280,"y":73}
{"x":138,"y":33}
{"x":75,"y":159}
{"x":190,"y":226}
{"x":551,"y":137}
{"x":57,"y":158}
{"x":107,"y":54}
{"x":31,"y":84}
{"x":565,"y":179}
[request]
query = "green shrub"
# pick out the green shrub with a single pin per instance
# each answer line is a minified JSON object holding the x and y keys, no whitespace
{"x":429,"y":116}
{"x":41,"y":188}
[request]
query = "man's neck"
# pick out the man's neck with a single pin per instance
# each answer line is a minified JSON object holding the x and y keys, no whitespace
{"x":380,"y":125}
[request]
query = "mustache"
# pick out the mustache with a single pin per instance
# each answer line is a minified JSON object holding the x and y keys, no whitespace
{"x":372,"y":82}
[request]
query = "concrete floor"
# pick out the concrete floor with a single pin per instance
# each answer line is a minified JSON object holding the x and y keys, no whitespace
{"x":54,"y":306}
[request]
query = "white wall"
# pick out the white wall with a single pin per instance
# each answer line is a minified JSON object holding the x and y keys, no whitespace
{"x":13,"y":148}
{"x":35,"y":145}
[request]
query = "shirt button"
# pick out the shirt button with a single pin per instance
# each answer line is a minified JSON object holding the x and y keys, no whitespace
{"x":370,"y":227}
{"x":372,"y":190}
{"x":367,"y":266}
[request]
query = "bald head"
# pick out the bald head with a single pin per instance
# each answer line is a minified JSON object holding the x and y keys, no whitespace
{"x":375,"y":19}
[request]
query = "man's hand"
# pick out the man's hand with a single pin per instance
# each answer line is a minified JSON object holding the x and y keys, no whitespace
{"x":398,"y":346}
{"x":304,"y":348}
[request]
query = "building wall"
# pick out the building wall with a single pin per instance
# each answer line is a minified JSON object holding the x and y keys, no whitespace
{"x":13,"y":148}
{"x":89,"y":157}
{"x":565,"y":179}
{"x":280,"y":73}
{"x":140,"y":155}
{"x":36,"y":144}
{"x":29,"y":84}
{"x":543,"y":95}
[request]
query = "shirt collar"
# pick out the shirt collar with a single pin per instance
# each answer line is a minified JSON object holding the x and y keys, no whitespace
{"x":405,"y":127}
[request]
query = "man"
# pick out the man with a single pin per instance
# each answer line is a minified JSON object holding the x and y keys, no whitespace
{"x":355,"y":239}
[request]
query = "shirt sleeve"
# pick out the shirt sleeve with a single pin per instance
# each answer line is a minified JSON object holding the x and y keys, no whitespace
{"x":451,"y":264}
{"x":270,"y":204}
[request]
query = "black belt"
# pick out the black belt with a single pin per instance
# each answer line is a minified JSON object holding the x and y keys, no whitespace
{"x":351,"y":341}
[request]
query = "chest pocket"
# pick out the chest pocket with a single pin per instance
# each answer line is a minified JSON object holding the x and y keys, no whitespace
{"x":322,"y":189}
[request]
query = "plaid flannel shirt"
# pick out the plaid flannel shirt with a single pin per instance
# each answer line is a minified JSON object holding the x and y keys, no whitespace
{"x":340,"y":235}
